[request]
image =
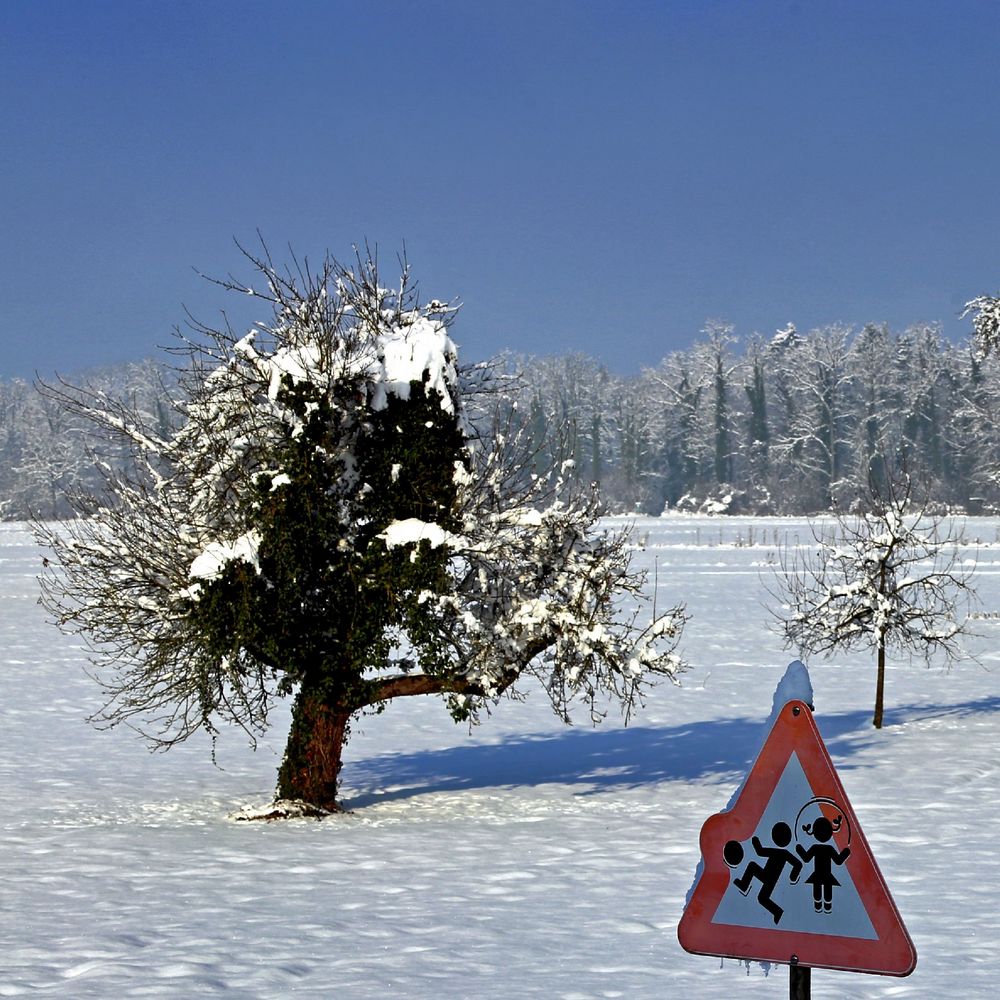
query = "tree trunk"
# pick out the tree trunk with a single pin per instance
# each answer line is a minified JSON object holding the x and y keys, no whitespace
{"x":320,"y":726}
{"x":879,"y":685}
{"x":313,"y":755}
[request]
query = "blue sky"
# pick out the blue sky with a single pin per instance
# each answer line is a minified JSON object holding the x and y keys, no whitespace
{"x":585,"y":176}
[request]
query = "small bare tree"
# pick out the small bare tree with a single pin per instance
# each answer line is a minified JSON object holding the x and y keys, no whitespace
{"x":889,"y":578}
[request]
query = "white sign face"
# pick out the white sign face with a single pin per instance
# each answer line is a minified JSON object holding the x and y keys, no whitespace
{"x":791,"y":874}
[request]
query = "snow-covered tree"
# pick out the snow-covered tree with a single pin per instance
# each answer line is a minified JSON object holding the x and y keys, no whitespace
{"x":874,"y":359}
{"x":985,"y":313}
{"x":676,"y":393}
{"x":816,"y":441}
{"x":891,"y":578}
{"x":325,"y":522}
{"x":717,"y":373}
{"x":49,"y":457}
{"x":758,"y":430}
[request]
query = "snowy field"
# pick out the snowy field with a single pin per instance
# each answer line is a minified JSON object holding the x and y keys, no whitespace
{"x":524,"y":860}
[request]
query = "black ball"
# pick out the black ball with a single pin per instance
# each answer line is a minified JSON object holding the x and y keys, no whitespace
{"x":733,"y":853}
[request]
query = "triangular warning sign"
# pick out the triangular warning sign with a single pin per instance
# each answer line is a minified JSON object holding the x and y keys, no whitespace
{"x":787,"y":875}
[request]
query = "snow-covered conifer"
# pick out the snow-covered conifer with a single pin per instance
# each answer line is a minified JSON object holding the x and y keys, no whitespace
{"x":985,"y":312}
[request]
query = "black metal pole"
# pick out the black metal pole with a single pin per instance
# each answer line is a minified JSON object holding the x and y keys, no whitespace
{"x":799,"y":982}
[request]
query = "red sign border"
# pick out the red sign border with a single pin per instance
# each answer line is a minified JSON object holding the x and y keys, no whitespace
{"x":891,"y":954}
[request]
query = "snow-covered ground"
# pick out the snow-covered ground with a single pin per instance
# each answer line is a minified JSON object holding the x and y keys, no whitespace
{"x":524,"y":860}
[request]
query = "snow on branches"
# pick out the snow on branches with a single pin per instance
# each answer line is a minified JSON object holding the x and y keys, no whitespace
{"x":332,"y":518}
{"x":890,"y":578}
{"x":985,"y":312}
{"x":536,"y":591}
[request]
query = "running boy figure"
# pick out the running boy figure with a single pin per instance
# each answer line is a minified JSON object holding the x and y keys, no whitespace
{"x":777,"y":857}
{"x":824,"y":856}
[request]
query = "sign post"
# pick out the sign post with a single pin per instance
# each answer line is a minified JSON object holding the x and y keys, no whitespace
{"x":787,"y":875}
{"x":799,"y":982}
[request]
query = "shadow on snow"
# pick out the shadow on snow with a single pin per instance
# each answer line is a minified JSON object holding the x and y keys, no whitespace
{"x":598,"y":760}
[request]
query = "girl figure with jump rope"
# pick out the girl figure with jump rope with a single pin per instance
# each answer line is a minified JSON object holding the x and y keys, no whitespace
{"x":824,"y":856}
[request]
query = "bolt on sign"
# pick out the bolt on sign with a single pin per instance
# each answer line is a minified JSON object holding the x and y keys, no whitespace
{"x":786,"y":873}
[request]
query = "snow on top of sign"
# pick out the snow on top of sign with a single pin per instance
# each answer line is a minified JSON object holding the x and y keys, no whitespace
{"x":794,"y":685}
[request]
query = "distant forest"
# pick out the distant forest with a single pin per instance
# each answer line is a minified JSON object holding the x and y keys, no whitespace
{"x":792,"y":424}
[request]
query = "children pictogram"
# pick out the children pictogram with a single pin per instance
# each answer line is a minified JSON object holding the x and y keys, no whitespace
{"x":814,"y":832}
{"x":777,"y":858}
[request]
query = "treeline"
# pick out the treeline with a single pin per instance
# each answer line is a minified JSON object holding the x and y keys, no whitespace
{"x":792,"y":424}
{"x":45,"y":450}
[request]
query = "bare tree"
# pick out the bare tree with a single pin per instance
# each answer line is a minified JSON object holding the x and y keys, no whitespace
{"x":890,"y":578}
